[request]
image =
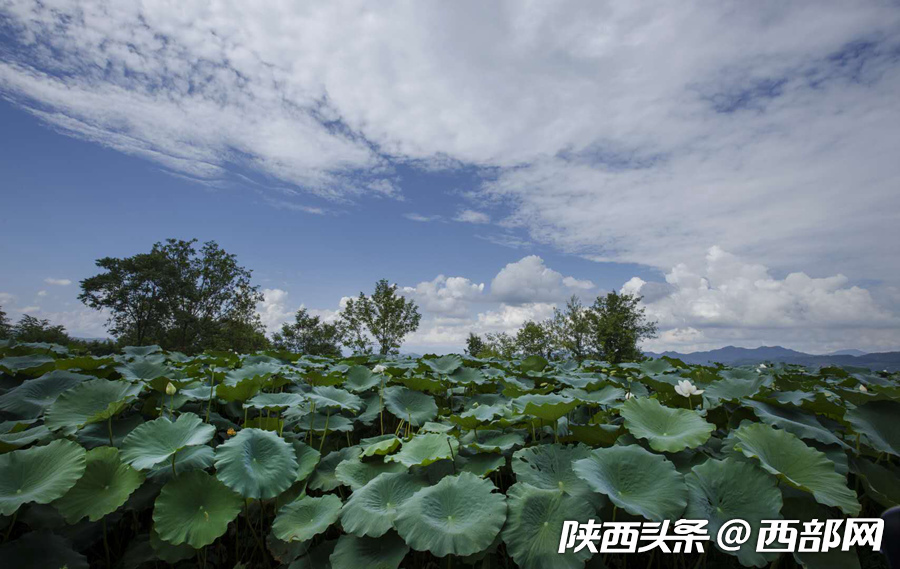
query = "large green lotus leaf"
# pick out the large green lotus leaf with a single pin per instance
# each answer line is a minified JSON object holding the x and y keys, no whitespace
{"x":194,"y":508}
{"x":380,"y":446}
{"x":17,"y":436}
{"x":468,"y":376}
{"x":276,"y":401}
{"x":317,"y":557}
{"x":240,"y":390}
{"x":32,"y":365}
{"x":352,"y":552}
{"x":329,"y":397}
{"x":794,"y":421}
{"x":412,"y":406}
{"x":306,"y":517}
{"x":877,"y":420}
{"x":97,"y":434}
{"x":317,"y":422}
{"x":801,"y":466}
{"x":640,"y":482}
{"x":444,"y":365}
{"x":39,"y":474}
{"x":159,"y":440}
{"x":89,"y":402}
{"x":200,"y":457}
{"x":478,"y":414}
{"x":361,"y":378}
{"x":30,"y":398}
{"x":533,"y":363}
{"x":371,"y":510}
{"x":256,"y":464}
{"x":41,"y":550}
{"x":422,"y":450}
{"x":595,"y":435}
{"x":324,"y":477}
{"x":460,"y":515}
{"x":141,"y":351}
{"x":735,"y":387}
{"x":144,"y":370}
{"x":167,"y":552}
{"x":357,"y":473}
{"x":722,"y":490}
{"x":106,"y":484}
{"x":666,"y":429}
{"x":307,"y":459}
{"x":549,"y":467}
{"x":497,"y":441}
{"x":882,"y":483}
{"x":804,"y":509}
{"x":480,"y":464}
{"x":606,"y":395}
{"x":534,"y":524}
{"x":547,"y":407}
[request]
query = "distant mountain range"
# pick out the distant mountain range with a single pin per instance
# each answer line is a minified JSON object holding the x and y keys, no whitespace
{"x":733,"y":356}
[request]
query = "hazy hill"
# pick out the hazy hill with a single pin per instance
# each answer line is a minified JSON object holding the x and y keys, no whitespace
{"x":731,"y":355}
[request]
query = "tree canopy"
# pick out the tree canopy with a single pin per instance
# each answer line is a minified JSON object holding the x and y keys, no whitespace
{"x":178,"y":296}
{"x":308,"y":334}
{"x":384,"y":319}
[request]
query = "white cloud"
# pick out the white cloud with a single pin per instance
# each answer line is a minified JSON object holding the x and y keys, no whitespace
{"x":29,"y":309}
{"x":505,"y":240}
{"x":421,"y":218}
{"x":529,"y":280}
{"x":6,"y":298}
{"x":447,"y":296}
{"x":273,"y":310}
{"x":727,"y":300}
{"x":42,"y":293}
{"x":472,"y":216}
{"x":57,"y":282}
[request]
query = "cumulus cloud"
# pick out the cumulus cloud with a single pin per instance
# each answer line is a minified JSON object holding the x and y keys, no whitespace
{"x":725,"y":300}
{"x":57,"y":282}
{"x":275,"y":310}
{"x":472,"y":216}
{"x":421,"y":218}
{"x":445,"y":296}
{"x":529,"y":280}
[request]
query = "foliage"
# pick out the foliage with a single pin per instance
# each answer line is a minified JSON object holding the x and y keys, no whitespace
{"x":571,"y":329}
{"x":272,"y":459}
{"x":31,"y":329}
{"x":5,"y":325}
{"x":178,"y":297}
{"x":474,"y":345}
{"x":617,"y":325}
{"x":384,"y":318}
{"x":534,"y":339}
{"x":309,"y":335}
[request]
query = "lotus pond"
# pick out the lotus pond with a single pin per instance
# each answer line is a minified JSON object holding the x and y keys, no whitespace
{"x":147,"y":459}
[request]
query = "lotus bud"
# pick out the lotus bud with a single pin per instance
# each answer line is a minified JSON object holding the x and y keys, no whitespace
{"x":171,"y":389}
{"x":863,"y":388}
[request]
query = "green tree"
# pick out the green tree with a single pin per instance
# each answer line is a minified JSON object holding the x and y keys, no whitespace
{"x":500,"y":345}
{"x":533,"y":339}
{"x":475,"y":345}
{"x":31,"y":329}
{"x":571,"y":329}
{"x":617,"y":325}
{"x":179,"y":297}
{"x":308,"y":335}
{"x":5,"y":326}
{"x":384,"y":318}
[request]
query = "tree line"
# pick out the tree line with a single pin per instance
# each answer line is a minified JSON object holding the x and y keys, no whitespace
{"x":190,"y":297}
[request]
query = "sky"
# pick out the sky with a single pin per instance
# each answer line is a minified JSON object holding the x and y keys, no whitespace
{"x":734,"y":163}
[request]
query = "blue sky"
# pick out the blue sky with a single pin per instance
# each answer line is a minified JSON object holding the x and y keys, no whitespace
{"x":734,"y":166}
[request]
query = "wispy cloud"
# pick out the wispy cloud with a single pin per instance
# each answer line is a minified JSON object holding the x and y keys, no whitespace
{"x":472,"y":216}
{"x":57,"y":282}
{"x":421,"y":218}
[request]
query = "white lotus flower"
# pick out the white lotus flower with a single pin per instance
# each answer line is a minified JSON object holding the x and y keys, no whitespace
{"x":686,"y":389}
{"x":171,"y":389}
{"x":629,"y":395}
{"x":762,"y":366}
{"x":379,"y":369}
{"x":863,"y":388}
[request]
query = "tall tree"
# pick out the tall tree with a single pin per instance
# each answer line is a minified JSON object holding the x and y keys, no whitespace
{"x":571,"y":329}
{"x":384,"y":318}
{"x":533,"y":339}
{"x":179,"y":297}
{"x":31,"y":329}
{"x":475,"y":345}
{"x":501,"y":345}
{"x":617,"y":325}
{"x":5,"y":326}
{"x":308,"y":335}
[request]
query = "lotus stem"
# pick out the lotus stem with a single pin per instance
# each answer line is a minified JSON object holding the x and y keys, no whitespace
{"x":109,"y":428}
{"x":381,"y":404}
{"x":174,"y":473}
{"x":325,"y":432}
{"x":12,"y":524}
{"x":452,"y":458}
{"x":212,"y":384}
